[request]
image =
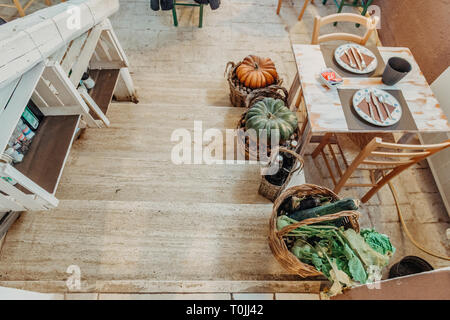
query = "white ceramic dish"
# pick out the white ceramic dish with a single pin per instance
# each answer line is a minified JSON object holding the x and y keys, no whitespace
{"x":389,"y":99}
{"x":330,"y":84}
{"x":363,"y":50}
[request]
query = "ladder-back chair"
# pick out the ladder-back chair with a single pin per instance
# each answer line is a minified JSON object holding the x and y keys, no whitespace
{"x":369,"y":23}
{"x":363,"y":4}
{"x":319,"y":22}
{"x":383,"y":160}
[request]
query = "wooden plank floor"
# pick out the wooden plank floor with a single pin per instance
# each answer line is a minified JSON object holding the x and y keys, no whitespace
{"x":135,"y":222}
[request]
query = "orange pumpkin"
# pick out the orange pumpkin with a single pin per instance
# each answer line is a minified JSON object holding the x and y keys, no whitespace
{"x":256,"y":72}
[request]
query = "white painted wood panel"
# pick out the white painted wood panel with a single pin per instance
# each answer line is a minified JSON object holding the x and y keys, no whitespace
{"x":6,"y":93}
{"x":87,"y":50}
{"x":440,"y":162}
{"x":26,"y":41}
{"x":16,"y":105}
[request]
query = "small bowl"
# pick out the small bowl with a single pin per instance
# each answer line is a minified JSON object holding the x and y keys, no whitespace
{"x":328,"y":83}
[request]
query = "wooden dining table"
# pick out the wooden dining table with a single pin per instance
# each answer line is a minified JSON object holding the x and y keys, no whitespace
{"x":325,"y":113}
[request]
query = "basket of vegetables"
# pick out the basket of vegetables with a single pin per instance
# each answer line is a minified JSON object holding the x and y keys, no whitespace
{"x":267,"y":113}
{"x":273,"y":182}
{"x":314,"y":233}
{"x":248,"y":75}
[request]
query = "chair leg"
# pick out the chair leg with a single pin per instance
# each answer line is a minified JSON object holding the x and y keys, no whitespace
{"x":200,"y":22}
{"x":354,"y":165}
{"x":341,"y":6}
{"x":364,"y":10}
{"x":325,"y":140}
{"x":303,"y":10}
{"x":384,"y":181}
{"x":335,"y":160}
{"x":279,"y":6}
{"x":19,"y":8}
{"x":324,"y":156}
{"x":174,"y":13}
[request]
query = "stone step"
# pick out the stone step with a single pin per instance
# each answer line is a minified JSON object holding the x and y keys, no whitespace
{"x":183,"y":81}
{"x":200,"y":96}
{"x":171,"y":240}
{"x":170,"y":116}
{"x":195,"y":290}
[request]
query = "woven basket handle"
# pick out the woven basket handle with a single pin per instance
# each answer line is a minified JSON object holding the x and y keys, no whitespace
{"x":5,"y":158}
{"x":295,"y":154}
{"x":262,"y":92}
{"x":227,"y":68}
{"x":328,"y":217}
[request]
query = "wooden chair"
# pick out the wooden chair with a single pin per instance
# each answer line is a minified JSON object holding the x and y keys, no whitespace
{"x":22,"y":9}
{"x":305,"y":4}
{"x":383,"y":160}
{"x":316,"y":39}
{"x":319,"y":22}
{"x":187,"y":4}
{"x":364,"y":4}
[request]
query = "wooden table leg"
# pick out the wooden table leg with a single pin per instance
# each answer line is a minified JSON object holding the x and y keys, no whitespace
{"x":306,"y":138}
{"x":293,"y":90}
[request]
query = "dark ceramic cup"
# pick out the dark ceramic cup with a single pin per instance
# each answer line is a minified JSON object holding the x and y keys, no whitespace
{"x":396,"y":69}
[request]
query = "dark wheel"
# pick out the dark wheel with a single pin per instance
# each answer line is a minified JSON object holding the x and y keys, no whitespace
{"x":409,"y":265}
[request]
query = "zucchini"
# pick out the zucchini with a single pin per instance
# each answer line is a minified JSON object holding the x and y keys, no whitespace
{"x":334,"y":207}
{"x":309,"y":203}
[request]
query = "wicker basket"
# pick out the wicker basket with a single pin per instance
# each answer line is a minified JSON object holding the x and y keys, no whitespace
{"x":271,"y":191}
{"x":250,"y":146}
{"x":238,"y":97}
{"x":276,"y":241}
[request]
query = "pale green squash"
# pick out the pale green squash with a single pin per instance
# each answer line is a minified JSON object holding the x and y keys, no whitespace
{"x":271,"y":114}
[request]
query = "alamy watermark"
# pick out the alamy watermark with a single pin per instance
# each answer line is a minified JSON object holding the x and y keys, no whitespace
{"x":214,"y":146}
{"x":374,"y":12}
{"x":73,"y":282}
{"x":74,"y":20}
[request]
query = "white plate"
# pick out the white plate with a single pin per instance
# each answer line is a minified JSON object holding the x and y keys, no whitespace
{"x":340,"y":51}
{"x":389,"y":99}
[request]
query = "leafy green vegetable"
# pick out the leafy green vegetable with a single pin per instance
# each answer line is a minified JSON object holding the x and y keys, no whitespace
{"x":377,"y":241}
{"x":343,"y":256}
{"x":357,"y":270}
{"x":368,"y":256}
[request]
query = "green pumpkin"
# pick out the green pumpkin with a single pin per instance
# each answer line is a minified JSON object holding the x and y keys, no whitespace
{"x":271,"y":114}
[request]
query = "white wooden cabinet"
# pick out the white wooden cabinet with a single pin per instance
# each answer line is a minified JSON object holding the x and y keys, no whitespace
{"x":43,"y":60}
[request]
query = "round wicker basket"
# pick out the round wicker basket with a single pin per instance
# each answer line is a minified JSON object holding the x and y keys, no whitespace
{"x":271,"y":191}
{"x":276,"y":241}
{"x":238,"y":92}
{"x":248,"y":146}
